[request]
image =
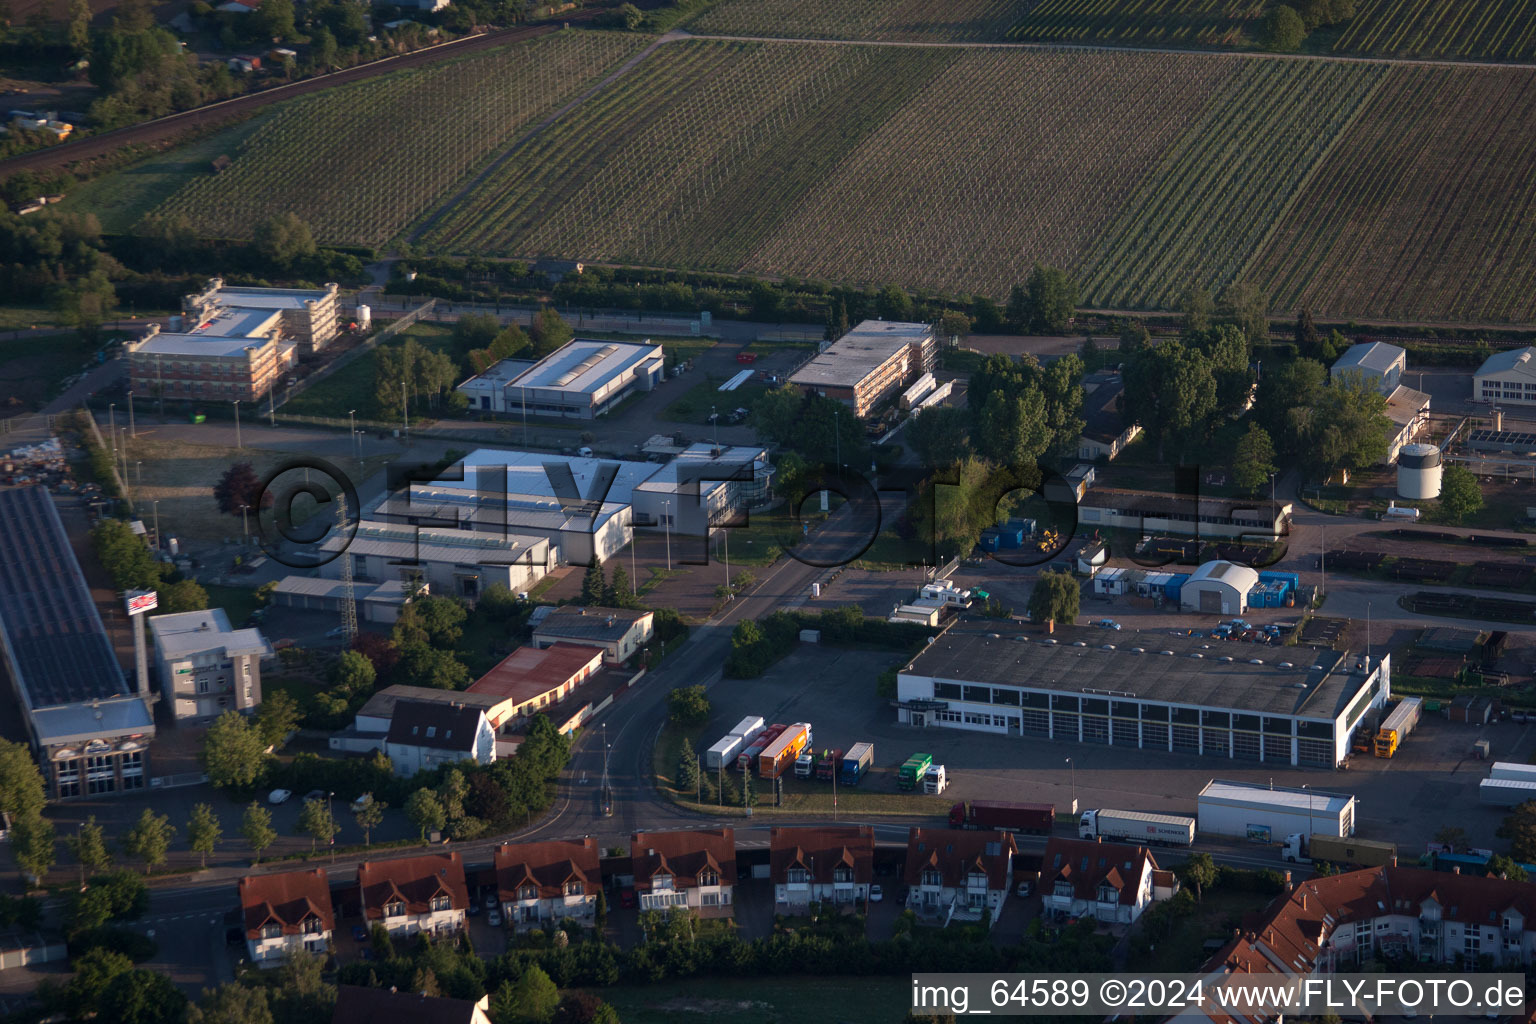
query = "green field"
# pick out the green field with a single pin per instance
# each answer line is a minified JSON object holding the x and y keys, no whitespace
{"x":1494,"y":29}
{"x":785,"y":1000}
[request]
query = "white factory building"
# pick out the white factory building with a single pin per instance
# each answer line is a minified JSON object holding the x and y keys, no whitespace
{"x":1290,"y":706}
{"x":582,"y":379}
{"x":1372,"y":362}
{"x":451,"y":563}
{"x":1506,"y":378}
{"x":1267,"y":814}
{"x":1218,"y":588}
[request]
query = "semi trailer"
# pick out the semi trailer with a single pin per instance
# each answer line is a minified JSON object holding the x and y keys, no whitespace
{"x":1305,"y":848}
{"x":857,"y":763}
{"x":1137,"y":827}
{"x":1037,"y":819}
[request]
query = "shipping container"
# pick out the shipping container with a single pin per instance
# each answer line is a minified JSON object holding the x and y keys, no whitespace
{"x":1301,"y":848}
{"x":724,"y":752}
{"x":1505,"y":792}
{"x":1513,"y":771}
{"x":859,"y":759}
{"x":1037,"y":819}
{"x":749,"y":728}
{"x":781,"y":753}
{"x":747,"y":759}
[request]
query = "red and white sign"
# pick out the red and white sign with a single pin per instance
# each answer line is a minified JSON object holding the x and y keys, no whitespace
{"x":142,"y":601}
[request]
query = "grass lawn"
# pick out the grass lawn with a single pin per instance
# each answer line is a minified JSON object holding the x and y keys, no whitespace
{"x":33,"y":367}
{"x":696,"y":402}
{"x":763,"y":1000}
{"x":121,"y":199}
{"x":237,"y":602}
{"x":352,"y":386}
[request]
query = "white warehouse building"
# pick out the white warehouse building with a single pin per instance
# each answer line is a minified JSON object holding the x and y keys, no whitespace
{"x":1219,"y":588}
{"x":1267,"y":814}
{"x":1372,"y":362}
{"x":1506,"y":378}
{"x":1175,"y":695}
{"x":583,"y":379}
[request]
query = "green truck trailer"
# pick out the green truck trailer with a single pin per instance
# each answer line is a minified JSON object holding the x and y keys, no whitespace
{"x":910,"y":776}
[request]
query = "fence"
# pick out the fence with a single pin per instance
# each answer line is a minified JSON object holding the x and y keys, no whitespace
{"x":122,"y":485}
{"x":368,"y":345}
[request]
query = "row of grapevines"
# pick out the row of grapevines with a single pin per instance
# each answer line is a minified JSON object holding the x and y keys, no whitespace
{"x":361,"y":161}
{"x":891,"y":20}
{"x":1493,"y":29}
{"x":1149,"y":22}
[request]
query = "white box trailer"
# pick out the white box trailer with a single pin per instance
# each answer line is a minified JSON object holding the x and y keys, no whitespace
{"x":749,"y":728}
{"x":1505,"y":792}
{"x":1137,"y":826}
{"x":1511,"y":770}
{"x":724,"y":753}
{"x":1264,"y":814}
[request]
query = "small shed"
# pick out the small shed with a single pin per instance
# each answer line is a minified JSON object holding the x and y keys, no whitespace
{"x":1218,"y":588}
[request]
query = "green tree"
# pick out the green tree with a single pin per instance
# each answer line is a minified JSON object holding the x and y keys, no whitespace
{"x":1170,"y":390}
{"x":687,"y":767}
{"x":1050,"y":300}
{"x":231,"y":1003}
{"x":369,"y":817}
{"x":149,"y":839}
{"x":1253,"y":460}
{"x":893,"y":303}
{"x":1198,"y":306}
{"x":954,"y":327}
{"x":438,"y":621}
{"x":1199,"y":871}
{"x":94,"y":970}
{"x":1055,"y":598}
{"x":1134,"y":339}
{"x":837,"y":321}
{"x":86,"y":301}
{"x":256,"y":829}
{"x":182,"y":596}
{"x":322,"y":52}
{"x":143,"y":997}
{"x":1346,"y":429}
{"x":940,"y":436}
{"x":1461,"y":496}
{"x":452,"y":791}
{"x":1012,"y":430}
{"x":125,"y":557}
{"x":593,"y":583}
{"x":1501,"y":866}
{"x":353,"y":673}
{"x":316,"y":821}
{"x":88,"y":845}
{"x":549,"y":331}
{"x":1519,"y":829}
{"x":276,"y":20}
{"x":1308,"y":339}
{"x":620,"y":592}
{"x":283,"y":239}
{"x":425,"y":811}
{"x":204,"y":831}
{"x":533,"y":997}
{"x":32,"y":844}
{"x":432,"y":667}
{"x":688,"y":706}
{"x":1452,"y":837}
{"x":234,"y":752}
{"x":1282,"y":30}
{"x":277,"y":717}
{"x":1282,"y":404}
{"x":1245,"y":306}
{"x":21,"y":784}
{"x":78,"y":33}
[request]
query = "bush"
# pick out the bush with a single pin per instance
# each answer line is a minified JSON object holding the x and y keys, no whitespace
{"x":129,"y":943}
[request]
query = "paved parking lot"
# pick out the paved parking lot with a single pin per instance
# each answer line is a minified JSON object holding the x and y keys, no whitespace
{"x":1432,"y":782}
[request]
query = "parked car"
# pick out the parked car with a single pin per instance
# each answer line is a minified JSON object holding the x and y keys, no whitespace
{"x":314,"y":794}
{"x":1026,"y":888}
{"x":279,"y":796}
{"x":627,"y":898}
{"x":362,"y":802}
{"x":876,"y":894}
{"x":474,"y":909}
{"x":493,"y":918}
{"x":490,"y":899}
{"x":1107,"y":624}
{"x":335,"y":632}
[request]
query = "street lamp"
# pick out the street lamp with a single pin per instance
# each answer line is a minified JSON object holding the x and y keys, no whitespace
{"x":237,"y":422}
{"x":244,"y":525}
{"x":138,"y":471}
{"x":156,"y":504}
{"x":666,"y":518}
{"x":1073,"y":768}
{"x":357,"y":449}
{"x":1271,"y":488}
{"x":1309,"y":808}
{"x":331,"y":824}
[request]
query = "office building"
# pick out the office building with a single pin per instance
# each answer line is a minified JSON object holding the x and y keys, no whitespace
{"x":869,"y":364}
{"x":581,"y":380}
{"x":206,"y":668}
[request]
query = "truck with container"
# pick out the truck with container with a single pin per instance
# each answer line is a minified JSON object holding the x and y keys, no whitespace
{"x":779,"y":755}
{"x":749,"y":729}
{"x":1318,"y":847}
{"x":910,"y":774}
{"x":1397,"y":725}
{"x":724,"y":752}
{"x":856,"y":764}
{"x":827,"y":765}
{"x":747,"y":759}
{"x":1137,"y":827}
{"x":935,"y":781}
{"x":1035,"y":819}
{"x":805,"y":765}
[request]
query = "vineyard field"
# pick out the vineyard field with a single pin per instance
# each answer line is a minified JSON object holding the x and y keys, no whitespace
{"x":360,"y":162}
{"x":1425,"y":210}
{"x":1491,"y":29}
{"x":884,"y":20}
{"x":1214,"y":23}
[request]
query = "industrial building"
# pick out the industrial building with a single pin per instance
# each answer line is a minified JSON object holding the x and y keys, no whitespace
{"x":531,"y":679}
{"x":1296,"y":706}
{"x":582,"y":379}
{"x":220,"y":361}
{"x":1419,"y":468}
{"x":452,"y":563}
{"x":1184,"y":515}
{"x":90,"y":732}
{"x":1267,"y":814}
{"x":869,"y":363}
{"x":1106,"y":431}
{"x":702,"y":488}
{"x":1408,"y":413}
{"x":617,"y":632}
{"x":205,"y":666}
{"x":374,"y":602}
{"x":1506,"y":378}
{"x":1219,"y":588}
{"x":1374,"y":363}
{"x":307,"y":316}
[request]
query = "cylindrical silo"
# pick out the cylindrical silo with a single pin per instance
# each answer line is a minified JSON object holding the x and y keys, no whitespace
{"x":1418,"y":471}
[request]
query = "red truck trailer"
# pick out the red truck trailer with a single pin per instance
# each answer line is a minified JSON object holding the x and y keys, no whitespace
{"x":827,"y":765}
{"x":975,"y":814}
{"x":747,"y":759}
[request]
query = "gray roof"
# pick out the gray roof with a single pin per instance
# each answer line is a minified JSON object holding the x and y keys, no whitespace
{"x":1404,"y":403}
{"x":382,"y":704}
{"x":390,"y":591}
{"x":1515,"y":358}
{"x":603,"y":625}
{"x":413,"y":543}
{"x":860,"y":352}
{"x":1375,"y":356}
{"x":583,"y":366}
{"x":76,"y":723}
{"x":1309,"y":799}
{"x":973,"y":652}
{"x":185,"y":633}
{"x":209,"y":346}
{"x":434,"y":725}
{"x":48,"y":622}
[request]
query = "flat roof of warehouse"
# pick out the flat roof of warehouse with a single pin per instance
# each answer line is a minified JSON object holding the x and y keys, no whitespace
{"x":1320,"y":685}
{"x":584,"y":366}
{"x":198,"y":345}
{"x":860,"y":352}
{"x":48,"y":621}
{"x":1313,"y":800}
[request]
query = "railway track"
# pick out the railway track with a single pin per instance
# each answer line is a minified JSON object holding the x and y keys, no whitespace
{"x":173,"y":125}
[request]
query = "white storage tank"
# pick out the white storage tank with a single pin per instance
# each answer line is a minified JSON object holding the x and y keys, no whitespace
{"x":1418,"y":471}
{"x":364,"y":317}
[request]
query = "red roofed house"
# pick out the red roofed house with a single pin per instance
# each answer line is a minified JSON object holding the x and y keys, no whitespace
{"x":531,"y":679}
{"x":416,"y":894}
{"x":548,"y":881}
{"x":1110,"y":882}
{"x":693,"y":868}
{"x":286,"y":913}
{"x":833,"y":865}
{"x":958,"y":874}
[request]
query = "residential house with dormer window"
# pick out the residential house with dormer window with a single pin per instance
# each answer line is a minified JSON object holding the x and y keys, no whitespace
{"x":425,"y":734}
{"x":693,"y":868}
{"x":418,"y":894}
{"x":1110,"y":882}
{"x":958,"y":875}
{"x":832,"y":866}
{"x":548,"y":881}
{"x":286,"y":913}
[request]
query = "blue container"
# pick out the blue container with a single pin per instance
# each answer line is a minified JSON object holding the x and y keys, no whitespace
{"x":1175,"y":586}
{"x":988,"y":541}
{"x":1010,"y":536}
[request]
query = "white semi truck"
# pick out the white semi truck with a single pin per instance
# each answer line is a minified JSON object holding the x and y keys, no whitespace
{"x":1137,"y":827}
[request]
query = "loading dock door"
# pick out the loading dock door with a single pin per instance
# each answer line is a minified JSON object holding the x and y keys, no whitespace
{"x":1210,"y":601}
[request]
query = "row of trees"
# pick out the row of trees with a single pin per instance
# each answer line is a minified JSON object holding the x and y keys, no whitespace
{"x":1285,"y":27}
{"x":129,"y":562}
{"x":610,"y":591}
